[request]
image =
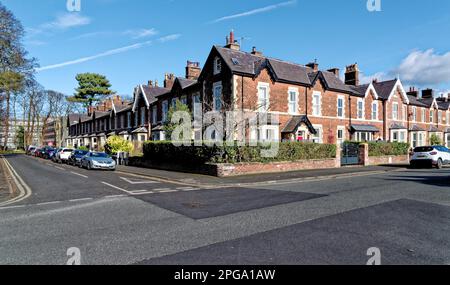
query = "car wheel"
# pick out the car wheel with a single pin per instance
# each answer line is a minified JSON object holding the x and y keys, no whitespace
{"x":439,"y":164}
{"x":88,"y":167}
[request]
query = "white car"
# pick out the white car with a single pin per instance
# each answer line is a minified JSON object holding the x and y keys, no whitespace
{"x":64,"y":154}
{"x":437,"y":156}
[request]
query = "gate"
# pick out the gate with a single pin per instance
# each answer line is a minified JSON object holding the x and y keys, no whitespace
{"x":350,"y":154}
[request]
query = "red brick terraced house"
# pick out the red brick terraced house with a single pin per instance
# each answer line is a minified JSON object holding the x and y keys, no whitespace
{"x":311,"y":104}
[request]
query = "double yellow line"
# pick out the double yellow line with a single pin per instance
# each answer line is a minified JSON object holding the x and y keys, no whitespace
{"x":24,"y":189}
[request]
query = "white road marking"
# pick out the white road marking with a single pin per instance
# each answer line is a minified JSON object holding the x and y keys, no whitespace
{"x":193,"y":189}
{"x":82,"y":199}
{"x":139,"y":191}
{"x":24,"y":189}
{"x":48,"y":203}
{"x":161,"y":189}
{"x":115,"y":196}
{"x":84,"y":176}
{"x":12,"y":207}
{"x":185,"y":188}
{"x":168,"y":191}
{"x":117,"y":188}
{"x":60,"y":168}
{"x":143,"y":193}
{"x":139,"y":182}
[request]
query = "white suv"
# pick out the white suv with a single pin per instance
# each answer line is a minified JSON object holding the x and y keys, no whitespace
{"x":64,"y":154}
{"x":436,"y":156}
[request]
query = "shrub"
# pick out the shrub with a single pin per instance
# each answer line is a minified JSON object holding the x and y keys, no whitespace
{"x":117,"y":144}
{"x":288,"y":151}
{"x":83,"y":148}
{"x":435,"y":140}
{"x":383,"y":149}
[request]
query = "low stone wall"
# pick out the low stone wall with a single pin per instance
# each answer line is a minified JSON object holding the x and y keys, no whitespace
{"x":393,"y":159}
{"x":227,"y":170}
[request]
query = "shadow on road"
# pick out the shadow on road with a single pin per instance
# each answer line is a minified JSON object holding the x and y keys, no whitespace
{"x":440,"y":181}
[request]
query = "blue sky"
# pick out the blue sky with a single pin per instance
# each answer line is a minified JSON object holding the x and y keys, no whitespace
{"x":134,"y":41}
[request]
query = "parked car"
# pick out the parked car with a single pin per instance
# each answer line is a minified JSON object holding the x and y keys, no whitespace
{"x":98,"y":160}
{"x":55,"y":157}
{"x":48,"y":153}
{"x":76,"y":156}
{"x":38,"y":152}
{"x":436,"y":156}
{"x":63,"y":155}
{"x":31,"y":150}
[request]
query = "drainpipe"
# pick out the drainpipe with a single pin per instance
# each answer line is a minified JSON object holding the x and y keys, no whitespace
{"x":384,"y":121}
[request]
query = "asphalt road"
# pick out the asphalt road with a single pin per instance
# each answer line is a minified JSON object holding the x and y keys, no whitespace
{"x":115,"y":218}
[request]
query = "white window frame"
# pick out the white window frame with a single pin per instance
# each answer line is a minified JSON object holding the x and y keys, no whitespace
{"x":424,"y":115}
{"x":439,"y":117}
{"x":360,"y":110}
{"x":402,"y":136}
{"x":340,"y":141}
{"x":293,"y":105}
{"x":374,"y":104}
{"x":317,"y":138}
{"x":431,"y":116}
{"x":317,"y":108}
{"x":414,"y":114}
{"x":263,"y":106}
{"x":404,"y":113}
{"x":395,"y":111}
{"x":194,"y":99}
{"x":342,"y":108}
{"x":217,"y":92}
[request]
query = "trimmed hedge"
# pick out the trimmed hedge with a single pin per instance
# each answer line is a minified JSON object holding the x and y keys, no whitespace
{"x":377,"y":149}
{"x":383,"y":149}
{"x":288,"y":151}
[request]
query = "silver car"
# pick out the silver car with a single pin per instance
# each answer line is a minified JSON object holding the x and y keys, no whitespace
{"x":98,"y":160}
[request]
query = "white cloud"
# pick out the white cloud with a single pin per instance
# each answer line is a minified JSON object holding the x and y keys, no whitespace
{"x":169,"y":38}
{"x":425,"y":68}
{"x":380,"y":76}
{"x":68,"y":20}
{"x":109,"y":53}
{"x":255,"y":11}
{"x":141,"y":33}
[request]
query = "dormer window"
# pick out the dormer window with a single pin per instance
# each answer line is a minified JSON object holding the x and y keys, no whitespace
{"x":217,"y":66}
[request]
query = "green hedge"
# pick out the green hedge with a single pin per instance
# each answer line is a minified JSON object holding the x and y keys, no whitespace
{"x":288,"y":151}
{"x":383,"y":149}
{"x":386,"y":148}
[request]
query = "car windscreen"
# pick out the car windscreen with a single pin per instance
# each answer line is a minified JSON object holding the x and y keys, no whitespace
{"x":100,"y":155}
{"x":67,"y":150}
{"x":80,"y":152}
{"x":423,"y":149}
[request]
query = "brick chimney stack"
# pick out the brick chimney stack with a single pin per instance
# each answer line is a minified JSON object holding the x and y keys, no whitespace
{"x":169,"y":80}
{"x":427,"y":93}
{"x":413,"y":92}
{"x":193,"y":70}
{"x":232,"y":43}
{"x":335,"y":71}
{"x":313,"y":65}
{"x":352,"y":75}
{"x":150,"y":83}
{"x":256,"y":52}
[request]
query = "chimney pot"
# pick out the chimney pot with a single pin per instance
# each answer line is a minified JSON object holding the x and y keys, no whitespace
{"x":150,"y":83}
{"x":232,"y":43}
{"x":313,"y":65}
{"x":335,"y":71}
{"x":352,"y":75}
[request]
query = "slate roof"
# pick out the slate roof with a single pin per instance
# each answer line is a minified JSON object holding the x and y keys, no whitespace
{"x":295,"y":122}
{"x":331,"y":81}
{"x":123,"y":108}
{"x":384,"y":88}
{"x":416,"y":102}
{"x":185,"y":83}
{"x":360,"y":90}
{"x":290,"y":72}
{"x":152,"y":92}
{"x":433,"y":129}
{"x":416,"y":128}
{"x":99,"y":115}
{"x":364,"y":128}
{"x":75,"y":118}
{"x":443,"y":105}
{"x":428,"y":102}
{"x":396,"y":126}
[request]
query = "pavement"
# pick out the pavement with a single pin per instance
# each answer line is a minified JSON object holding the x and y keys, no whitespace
{"x":119,"y":218}
{"x":198,"y":179}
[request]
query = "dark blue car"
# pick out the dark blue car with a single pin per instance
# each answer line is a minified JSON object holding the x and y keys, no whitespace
{"x":76,"y":156}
